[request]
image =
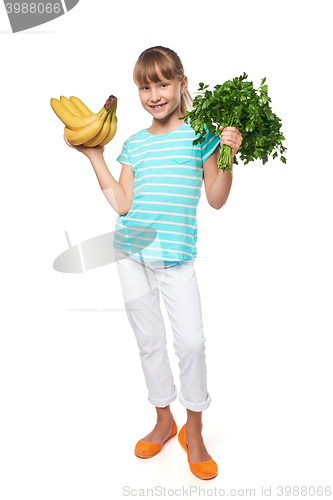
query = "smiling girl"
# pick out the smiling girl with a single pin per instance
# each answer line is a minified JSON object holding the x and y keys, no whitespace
{"x":158,"y":191}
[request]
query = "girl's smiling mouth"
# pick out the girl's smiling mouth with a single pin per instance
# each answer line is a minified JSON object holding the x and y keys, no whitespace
{"x":159,"y":106}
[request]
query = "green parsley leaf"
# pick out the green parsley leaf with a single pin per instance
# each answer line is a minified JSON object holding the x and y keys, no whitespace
{"x":237,"y":104}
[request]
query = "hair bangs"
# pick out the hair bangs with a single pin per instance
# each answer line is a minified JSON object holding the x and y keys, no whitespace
{"x":152,"y":67}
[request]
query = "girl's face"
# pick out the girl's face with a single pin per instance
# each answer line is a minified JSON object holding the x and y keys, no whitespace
{"x":162,"y":99}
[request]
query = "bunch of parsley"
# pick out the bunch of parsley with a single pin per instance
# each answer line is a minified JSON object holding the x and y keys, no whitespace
{"x":237,"y":104}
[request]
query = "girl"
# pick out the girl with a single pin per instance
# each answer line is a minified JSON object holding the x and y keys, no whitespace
{"x":155,"y":245}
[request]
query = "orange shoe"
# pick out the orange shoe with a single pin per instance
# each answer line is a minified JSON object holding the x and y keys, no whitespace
{"x":202,"y":470}
{"x":148,"y":450}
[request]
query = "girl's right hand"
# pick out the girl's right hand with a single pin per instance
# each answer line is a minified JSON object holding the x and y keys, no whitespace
{"x":82,"y":149}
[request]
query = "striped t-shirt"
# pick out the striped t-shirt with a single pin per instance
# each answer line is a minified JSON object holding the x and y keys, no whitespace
{"x":162,"y":221}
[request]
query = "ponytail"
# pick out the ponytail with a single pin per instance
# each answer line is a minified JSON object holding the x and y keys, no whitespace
{"x":186,"y":102}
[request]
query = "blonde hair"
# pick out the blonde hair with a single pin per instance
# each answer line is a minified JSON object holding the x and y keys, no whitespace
{"x":166,"y":62}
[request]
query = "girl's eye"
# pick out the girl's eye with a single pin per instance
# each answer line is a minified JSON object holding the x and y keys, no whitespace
{"x":163,"y":85}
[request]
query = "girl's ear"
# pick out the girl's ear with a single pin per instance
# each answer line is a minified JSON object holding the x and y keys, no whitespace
{"x":183,"y":86}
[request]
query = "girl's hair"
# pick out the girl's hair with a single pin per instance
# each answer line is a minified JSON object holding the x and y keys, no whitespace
{"x":163,"y":60}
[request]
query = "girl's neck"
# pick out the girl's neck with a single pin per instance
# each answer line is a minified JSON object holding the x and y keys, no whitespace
{"x":165,"y":125}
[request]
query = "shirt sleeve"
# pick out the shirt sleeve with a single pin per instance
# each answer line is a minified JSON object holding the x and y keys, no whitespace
{"x":209,"y":145}
{"x":125,"y":155}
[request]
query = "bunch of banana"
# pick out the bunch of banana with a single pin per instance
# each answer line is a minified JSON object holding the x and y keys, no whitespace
{"x":82,"y":126}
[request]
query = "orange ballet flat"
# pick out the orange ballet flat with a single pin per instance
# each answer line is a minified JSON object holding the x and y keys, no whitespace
{"x":202,"y":470}
{"x":148,"y":450}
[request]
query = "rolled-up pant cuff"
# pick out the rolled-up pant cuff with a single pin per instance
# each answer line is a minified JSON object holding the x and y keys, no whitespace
{"x":161,"y":403}
{"x":195,"y":406}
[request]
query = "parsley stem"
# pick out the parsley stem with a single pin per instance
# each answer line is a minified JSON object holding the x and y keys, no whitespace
{"x":224,"y":161}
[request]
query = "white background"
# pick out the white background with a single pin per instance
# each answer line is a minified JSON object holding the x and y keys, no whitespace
{"x":73,"y":397}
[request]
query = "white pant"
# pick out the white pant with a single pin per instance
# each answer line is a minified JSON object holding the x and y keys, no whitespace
{"x":141,"y":283}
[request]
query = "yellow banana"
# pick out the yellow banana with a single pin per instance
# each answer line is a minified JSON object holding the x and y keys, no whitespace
{"x":82,"y":107}
{"x":71,"y":106}
{"x":85,"y":134}
{"x":113,"y":130}
{"x":101,"y":134}
{"x":71,"y":121}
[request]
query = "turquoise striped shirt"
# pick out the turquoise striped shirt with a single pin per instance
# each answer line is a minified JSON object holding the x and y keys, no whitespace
{"x":162,"y":221}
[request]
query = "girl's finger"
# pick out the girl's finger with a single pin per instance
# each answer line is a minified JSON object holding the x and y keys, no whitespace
{"x":233,"y":130}
{"x":232,"y":136}
{"x":66,"y":141}
{"x":228,"y":143}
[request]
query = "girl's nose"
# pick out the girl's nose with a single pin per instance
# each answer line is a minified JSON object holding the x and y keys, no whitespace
{"x":154,"y":96}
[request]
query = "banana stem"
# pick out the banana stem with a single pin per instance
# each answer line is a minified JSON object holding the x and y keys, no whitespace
{"x":110,"y":102}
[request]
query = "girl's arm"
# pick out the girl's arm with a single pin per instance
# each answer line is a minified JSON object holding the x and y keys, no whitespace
{"x":119,"y":194}
{"x":217,"y":183}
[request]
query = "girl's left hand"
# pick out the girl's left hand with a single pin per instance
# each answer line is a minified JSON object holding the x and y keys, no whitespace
{"x":232,"y":137}
{"x":82,"y":149}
